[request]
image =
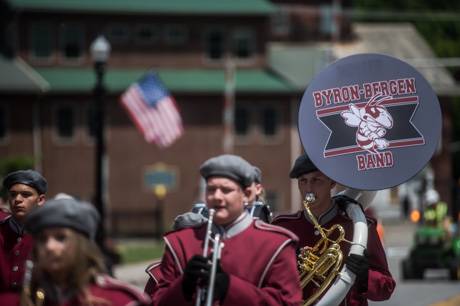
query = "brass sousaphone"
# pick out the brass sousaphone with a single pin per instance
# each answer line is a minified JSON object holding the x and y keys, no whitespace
{"x":369,"y":122}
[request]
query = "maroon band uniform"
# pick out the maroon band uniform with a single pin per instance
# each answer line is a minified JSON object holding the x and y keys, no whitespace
{"x":154,"y":272}
{"x":259,"y":259}
{"x":380,"y":283}
{"x":108,"y":291}
{"x":15,"y":249}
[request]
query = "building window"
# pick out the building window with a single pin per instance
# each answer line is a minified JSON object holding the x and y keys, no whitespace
{"x":269,"y":121}
{"x":243,"y":44}
{"x":2,"y":123}
{"x":146,"y":34}
{"x":241,"y":121}
{"x":215,"y":44}
{"x":65,"y":122}
{"x":72,"y":41}
{"x":118,"y":33}
{"x":257,"y":123}
{"x":176,"y":35}
{"x":41,"y":40}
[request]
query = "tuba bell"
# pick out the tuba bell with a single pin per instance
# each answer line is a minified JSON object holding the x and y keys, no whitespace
{"x":346,"y":142}
{"x":321,"y":264}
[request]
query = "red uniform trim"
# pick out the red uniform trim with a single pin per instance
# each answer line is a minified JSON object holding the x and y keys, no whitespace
{"x":153,"y":269}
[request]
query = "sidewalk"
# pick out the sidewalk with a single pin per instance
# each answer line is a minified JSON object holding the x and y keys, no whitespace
{"x":133,"y":273}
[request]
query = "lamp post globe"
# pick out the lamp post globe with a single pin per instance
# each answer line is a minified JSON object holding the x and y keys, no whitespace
{"x":100,"y":49}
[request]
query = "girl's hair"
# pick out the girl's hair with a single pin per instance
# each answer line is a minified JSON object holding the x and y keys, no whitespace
{"x":87,"y":266}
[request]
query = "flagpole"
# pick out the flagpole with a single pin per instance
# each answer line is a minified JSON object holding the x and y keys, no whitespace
{"x":229,"y":106}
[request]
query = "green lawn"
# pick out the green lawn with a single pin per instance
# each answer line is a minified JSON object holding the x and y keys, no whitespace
{"x":139,"y":251}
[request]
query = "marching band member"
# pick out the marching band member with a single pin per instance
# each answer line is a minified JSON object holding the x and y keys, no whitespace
{"x":25,"y":190}
{"x":373,"y":278}
{"x":256,"y":206}
{"x":257,"y":265}
{"x":68,"y":268}
{"x":198,"y":216}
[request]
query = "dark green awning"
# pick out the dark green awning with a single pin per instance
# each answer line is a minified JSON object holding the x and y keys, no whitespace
{"x":240,"y":7}
{"x":179,"y":80}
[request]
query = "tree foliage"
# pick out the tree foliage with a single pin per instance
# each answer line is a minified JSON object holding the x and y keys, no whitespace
{"x":11,"y":164}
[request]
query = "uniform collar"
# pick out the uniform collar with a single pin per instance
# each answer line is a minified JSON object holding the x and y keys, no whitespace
{"x":240,"y":224}
{"x":325,"y":217}
{"x":15,"y":226}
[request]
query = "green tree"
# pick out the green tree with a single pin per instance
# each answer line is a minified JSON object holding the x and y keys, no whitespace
{"x":11,"y":164}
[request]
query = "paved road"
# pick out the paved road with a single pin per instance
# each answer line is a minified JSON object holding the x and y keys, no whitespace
{"x":434,"y":288}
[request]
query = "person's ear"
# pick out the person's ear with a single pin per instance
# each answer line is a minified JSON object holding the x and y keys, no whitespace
{"x":246,"y":194}
{"x":41,"y":199}
{"x":333,"y":183}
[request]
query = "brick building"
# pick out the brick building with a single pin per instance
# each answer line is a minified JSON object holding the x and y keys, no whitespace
{"x":187,"y":43}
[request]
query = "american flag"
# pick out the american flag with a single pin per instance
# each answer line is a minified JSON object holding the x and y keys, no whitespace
{"x":153,"y":110}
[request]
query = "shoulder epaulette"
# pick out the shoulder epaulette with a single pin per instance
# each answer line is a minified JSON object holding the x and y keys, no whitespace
{"x":107,"y":282}
{"x":274,"y":228}
{"x":293,"y":216}
{"x":4,"y":217}
{"x":152,"y":268}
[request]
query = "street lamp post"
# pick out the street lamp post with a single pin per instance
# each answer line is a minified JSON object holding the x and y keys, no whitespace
{"x":100,"y":51}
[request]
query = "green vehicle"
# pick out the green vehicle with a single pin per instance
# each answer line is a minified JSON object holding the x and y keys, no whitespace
{"x":432,"y":250}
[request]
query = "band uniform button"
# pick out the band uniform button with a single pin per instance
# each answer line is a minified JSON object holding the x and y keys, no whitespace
{"x":15,"y":268}
{"x":316,"y":232}
{"x":19,"y":239}
{"x":16,"y":252}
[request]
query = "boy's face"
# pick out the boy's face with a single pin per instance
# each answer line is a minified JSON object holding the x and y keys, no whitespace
{"x":319,"y":184}
{"x":227,"y":197}
{"x":22,"y":199}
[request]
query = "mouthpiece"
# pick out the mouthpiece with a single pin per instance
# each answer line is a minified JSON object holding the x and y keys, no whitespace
{"x":310,"y":197}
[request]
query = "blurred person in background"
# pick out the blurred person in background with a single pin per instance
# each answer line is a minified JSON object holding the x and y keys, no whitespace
{"x":25,"y":190}
{"x":67,"y":267}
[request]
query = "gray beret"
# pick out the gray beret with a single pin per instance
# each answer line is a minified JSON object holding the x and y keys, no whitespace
{"x":77,"y":215}
{"x":257,"y":175}
{"x":27,"y":177}
{"x":229,"y":166}
{"x":302,"y":165}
